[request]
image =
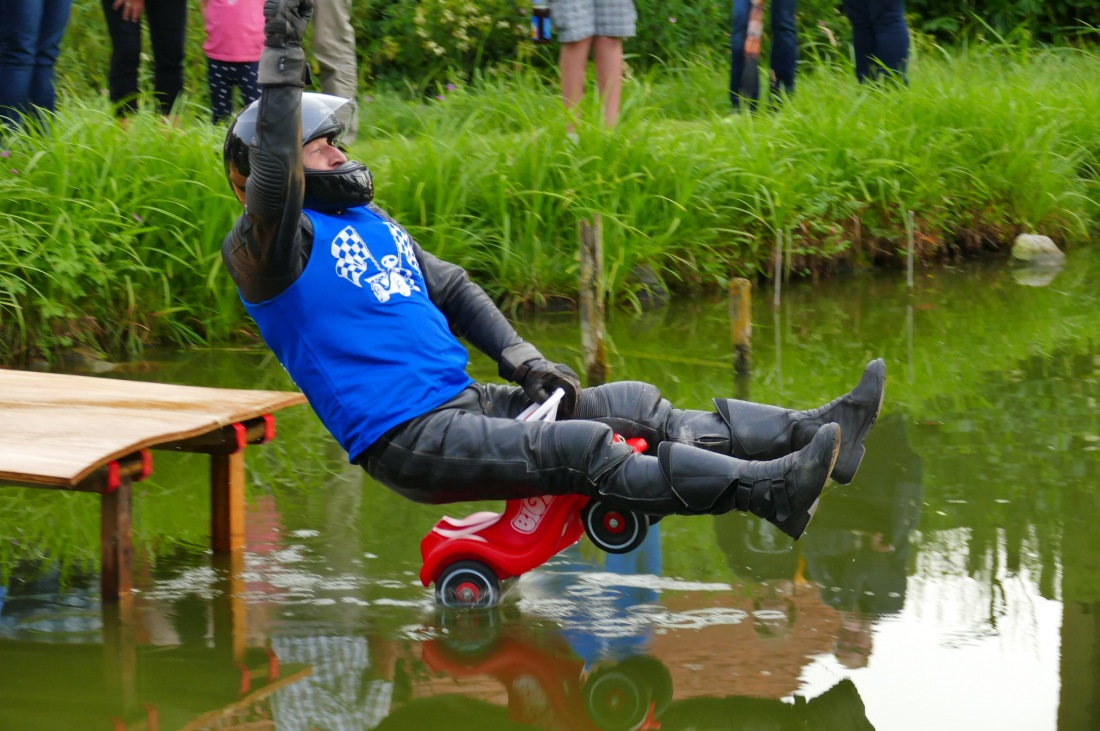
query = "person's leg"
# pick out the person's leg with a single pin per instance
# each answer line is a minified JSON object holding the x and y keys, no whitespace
{"x":741,"y":429}
{"x":891,"y":36}
{"x":575,"y":24}
{"x":614,"y":21}
{"x":250,"y":82}
{"x":574,"y":69}
{"x":168,"y":36}
{"x":122,"y":78}
{"x":784,"y":58}
{"x":55,"y":19}
{"x":334,"y":48}
{"x":218,"y":76}
{"x":470,"y":450}
{"x":738,"y":32}
{"x":863,"y":36}
{"x":609,"y":76}
{"x":20,"y":21}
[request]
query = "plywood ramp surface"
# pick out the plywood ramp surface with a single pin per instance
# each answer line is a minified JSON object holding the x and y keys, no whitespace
{"x":57,"y":429}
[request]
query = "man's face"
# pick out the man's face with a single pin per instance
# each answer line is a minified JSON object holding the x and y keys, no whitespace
{"x":318,"y":154}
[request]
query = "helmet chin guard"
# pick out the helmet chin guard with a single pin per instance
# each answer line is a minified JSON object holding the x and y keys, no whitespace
{"x":347,"y":186}
{"x":323,"y":115}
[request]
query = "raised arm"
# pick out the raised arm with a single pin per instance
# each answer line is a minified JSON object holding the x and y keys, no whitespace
{"x":269,"y":245}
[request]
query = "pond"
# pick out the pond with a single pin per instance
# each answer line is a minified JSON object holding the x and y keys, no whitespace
{"x":955,"y":584}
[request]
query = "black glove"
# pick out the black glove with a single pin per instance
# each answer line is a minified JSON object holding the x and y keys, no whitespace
{"x":286,"y":22}
{"x":539,"y":377}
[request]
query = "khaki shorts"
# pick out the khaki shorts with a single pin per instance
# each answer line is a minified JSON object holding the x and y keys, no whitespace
{"x":575,"y":20}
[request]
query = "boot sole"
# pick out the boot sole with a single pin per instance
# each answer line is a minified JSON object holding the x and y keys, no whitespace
{"x":795,"y":526}
{"x":846,"y":473}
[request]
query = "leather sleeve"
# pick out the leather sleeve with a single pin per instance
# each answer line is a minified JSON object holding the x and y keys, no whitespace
{"x":270,"y":243}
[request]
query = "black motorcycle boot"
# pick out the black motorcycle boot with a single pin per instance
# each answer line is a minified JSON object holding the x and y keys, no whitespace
{"x":760,"y":431}
{"x":783,"y":491}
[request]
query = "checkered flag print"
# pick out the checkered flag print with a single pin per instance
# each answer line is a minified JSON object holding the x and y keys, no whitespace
{"x":352,"y":255}
{"x":404,"y":245}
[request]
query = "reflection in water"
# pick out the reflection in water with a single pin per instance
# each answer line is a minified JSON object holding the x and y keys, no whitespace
{"x":955,"y":584}
{"x":856,"y":551}
{"x":547,"y":685}
{"x":68,"y":662}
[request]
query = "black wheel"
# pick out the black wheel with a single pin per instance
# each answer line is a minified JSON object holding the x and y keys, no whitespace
{"x":468,"y":585}
{"x":469,"y":635}
{"x":615,"y":701}
{"x":614,"y":531}
{"x":650,"y":673}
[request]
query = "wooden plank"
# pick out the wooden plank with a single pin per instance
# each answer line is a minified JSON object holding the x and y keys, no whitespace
{"x":56,"y":430}
{"x":228,"y":439}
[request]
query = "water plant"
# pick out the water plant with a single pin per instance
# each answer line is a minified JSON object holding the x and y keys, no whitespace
{"x":110,"y":238}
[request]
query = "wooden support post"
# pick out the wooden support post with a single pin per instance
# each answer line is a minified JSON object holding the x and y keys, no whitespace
{"x":778,"y":278}
{"x":230,"y":611}
{"x":120,"y":654}
{"x":227,"y":501}
{"x":910,"y":232}
{"x":740,"y":307}
{"x":592,"y":301}
{"x":117,"y":540}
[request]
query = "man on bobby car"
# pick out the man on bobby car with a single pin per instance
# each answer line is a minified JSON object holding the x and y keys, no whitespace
{"x":368,"y":323}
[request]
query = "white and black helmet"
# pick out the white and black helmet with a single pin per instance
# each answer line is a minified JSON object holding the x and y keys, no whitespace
{"x":323,"y":115}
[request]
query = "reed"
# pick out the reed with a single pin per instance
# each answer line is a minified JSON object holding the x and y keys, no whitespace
{"x":109,"y":238}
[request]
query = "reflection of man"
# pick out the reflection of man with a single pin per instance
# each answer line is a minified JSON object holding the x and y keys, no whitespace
{"x":859,"y":550}
{"x":838,"y":709}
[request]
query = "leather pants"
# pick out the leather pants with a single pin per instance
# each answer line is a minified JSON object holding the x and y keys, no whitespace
{"x":472,"y":448}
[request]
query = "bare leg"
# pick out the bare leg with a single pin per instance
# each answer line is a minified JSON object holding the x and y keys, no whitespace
{"x":574,"y":68}
{"x":609,"y":76}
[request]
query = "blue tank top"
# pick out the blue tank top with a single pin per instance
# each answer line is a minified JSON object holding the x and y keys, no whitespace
{"x":358,"y":333}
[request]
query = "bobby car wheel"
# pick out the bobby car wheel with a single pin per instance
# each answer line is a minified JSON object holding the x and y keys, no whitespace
{"x":614,"y":531}
{"x":468,"y":585}
{"x":615,"y":701}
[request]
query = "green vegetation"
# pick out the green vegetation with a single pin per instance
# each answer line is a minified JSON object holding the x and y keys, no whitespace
{"x":110,"y":239}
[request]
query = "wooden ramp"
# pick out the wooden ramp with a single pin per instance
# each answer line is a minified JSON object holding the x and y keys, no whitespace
{"x":94,"y":435}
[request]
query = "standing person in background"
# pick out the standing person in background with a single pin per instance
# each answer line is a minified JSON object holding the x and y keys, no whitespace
{"x":597,"y":27}
{"x":784,"y":56}
{"x":880,"y":37}
{"x":334,"y":48}
{"x":30,"y":42}
{"x":234,"y":42}
{"x":167,"y":33}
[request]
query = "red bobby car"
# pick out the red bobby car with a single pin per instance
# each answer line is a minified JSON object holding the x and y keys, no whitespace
{"x":469,"y":557}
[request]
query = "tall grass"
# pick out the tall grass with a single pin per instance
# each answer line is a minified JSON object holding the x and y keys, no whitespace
{"x":110,"y":238}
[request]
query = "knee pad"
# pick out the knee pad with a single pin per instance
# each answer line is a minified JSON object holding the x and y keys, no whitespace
{"x":583,"y":447}
{"x":630,"y":408}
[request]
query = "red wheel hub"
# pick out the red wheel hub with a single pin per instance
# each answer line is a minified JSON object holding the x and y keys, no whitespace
{"x":614,"y":522}
{"x":468,"y":592}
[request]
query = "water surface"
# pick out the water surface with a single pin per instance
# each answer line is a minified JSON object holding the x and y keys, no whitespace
{"x":955,"y":584}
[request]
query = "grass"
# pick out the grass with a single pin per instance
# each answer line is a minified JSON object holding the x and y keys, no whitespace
{"x":109,"y":239}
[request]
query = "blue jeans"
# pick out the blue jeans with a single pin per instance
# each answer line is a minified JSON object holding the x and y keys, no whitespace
{"x":880,"y":37}
{"x":30,"y":41}
{"x":784,"y":40}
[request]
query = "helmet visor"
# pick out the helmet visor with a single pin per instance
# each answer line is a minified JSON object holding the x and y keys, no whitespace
{"x":324,"y":115}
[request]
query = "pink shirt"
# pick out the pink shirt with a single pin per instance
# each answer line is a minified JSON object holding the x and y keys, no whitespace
{"x":234,"y":30}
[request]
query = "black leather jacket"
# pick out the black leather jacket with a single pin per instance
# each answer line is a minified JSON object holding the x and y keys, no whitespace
{"x":271,"y":241}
